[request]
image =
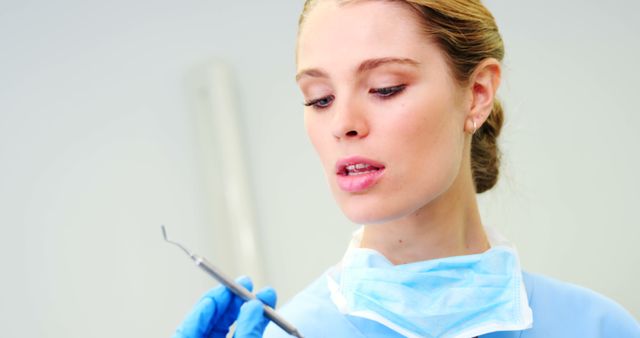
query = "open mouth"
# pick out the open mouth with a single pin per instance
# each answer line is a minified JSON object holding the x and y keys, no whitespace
{"x":358,"y":169}
{"x":358,"y":174}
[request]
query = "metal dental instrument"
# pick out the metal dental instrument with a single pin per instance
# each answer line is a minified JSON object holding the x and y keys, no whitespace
{"x":236,"y":288}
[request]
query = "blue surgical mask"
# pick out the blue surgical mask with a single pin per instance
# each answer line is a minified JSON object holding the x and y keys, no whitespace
{"x":453,"y":297}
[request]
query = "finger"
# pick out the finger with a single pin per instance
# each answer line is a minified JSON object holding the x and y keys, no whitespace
{"x":221,"y":326}
{"x":251,"y":321}
{"x":268,"y":296}
{"x":206,"y":311}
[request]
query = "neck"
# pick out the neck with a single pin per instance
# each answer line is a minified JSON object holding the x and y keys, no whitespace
{"x":448,"y":226}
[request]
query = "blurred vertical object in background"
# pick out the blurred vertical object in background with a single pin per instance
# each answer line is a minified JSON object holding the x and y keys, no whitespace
{"x":224,"y":164}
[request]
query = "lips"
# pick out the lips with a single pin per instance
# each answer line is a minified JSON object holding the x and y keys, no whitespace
{"x":357,"y":174}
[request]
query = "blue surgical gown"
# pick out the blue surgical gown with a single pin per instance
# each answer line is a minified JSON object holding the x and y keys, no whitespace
{"x":560,"y":310}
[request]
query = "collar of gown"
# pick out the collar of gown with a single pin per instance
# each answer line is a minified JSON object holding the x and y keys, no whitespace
{"x":496,"y":239}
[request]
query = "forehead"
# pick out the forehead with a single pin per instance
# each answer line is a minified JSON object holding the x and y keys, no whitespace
{"x":336,"y":33}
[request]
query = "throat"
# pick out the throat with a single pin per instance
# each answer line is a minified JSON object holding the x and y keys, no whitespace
{"x":403,"y":244}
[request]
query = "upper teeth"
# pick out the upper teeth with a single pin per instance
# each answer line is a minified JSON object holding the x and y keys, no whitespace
{"x":358,"y":166}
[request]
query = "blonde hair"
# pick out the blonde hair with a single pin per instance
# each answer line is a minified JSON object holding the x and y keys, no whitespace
{"x":467,"y":34}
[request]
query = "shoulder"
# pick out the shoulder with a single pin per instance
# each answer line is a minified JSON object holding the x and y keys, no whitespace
{"x":564,"y":308}
{"x":309,"y":311}
{"x":314,"y":314}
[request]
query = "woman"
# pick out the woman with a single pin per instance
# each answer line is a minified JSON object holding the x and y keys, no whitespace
{"x":401,"y":108}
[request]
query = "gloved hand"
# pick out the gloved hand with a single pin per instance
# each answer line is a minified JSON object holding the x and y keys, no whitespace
{"x":219,"y":308}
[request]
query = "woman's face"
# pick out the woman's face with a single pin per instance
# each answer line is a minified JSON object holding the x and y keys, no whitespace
{"x":383,"y":112}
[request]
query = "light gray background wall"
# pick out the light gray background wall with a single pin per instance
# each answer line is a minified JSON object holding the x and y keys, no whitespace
{"x":98,"y":147}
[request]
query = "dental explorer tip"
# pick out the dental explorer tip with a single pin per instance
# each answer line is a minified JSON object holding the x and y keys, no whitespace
{"x":164,"y":234}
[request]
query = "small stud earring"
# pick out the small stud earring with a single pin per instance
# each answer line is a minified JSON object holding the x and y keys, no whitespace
{"x":474,"y":127}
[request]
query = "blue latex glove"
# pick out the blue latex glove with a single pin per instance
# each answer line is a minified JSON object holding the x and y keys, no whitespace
{"x":218,"y":310}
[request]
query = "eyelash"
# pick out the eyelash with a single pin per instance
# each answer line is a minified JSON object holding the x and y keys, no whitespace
{"x":314,"y":103}
{"x":387,"y":92}
{"x":383,"y":93}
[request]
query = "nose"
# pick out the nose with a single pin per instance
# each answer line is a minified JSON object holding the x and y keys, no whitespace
{"x":350,"y":121}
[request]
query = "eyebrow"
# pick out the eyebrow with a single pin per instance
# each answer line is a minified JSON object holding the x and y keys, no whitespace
{"x":365,"y":66}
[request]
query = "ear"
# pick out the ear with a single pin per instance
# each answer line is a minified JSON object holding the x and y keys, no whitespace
{"x":483,"y":85}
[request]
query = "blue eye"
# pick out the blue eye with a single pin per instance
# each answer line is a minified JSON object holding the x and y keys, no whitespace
{"x":320,"y":103}
{"x":387,"y":91}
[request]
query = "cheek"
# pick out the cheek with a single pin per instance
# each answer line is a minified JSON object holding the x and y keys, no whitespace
{"x":428,"y":141}
{"x":424,"y":125}
{"x":317,"y":133}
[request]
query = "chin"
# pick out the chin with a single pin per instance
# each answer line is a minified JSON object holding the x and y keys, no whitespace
{"x":369,"y":210}
{"x":377,"y":207}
